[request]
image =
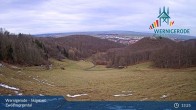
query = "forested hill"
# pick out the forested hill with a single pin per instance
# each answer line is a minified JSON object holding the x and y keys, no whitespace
{"x":77,"y":47}
{"x":27,"y":50}
{"x":21,"y":49}
{"x":163,"y":52}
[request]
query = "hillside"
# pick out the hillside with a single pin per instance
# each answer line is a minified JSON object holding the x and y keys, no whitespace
{"x":77,"y":47}
{"x":28,"y":50}
{"x":150,"y":43}
{"x":161,"y":51}
{"x":75,"y":67}
{"x":21,"y":49}
{"x":78,"y":81}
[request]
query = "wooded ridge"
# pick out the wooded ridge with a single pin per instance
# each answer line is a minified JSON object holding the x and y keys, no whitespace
{"x":28,"y":50}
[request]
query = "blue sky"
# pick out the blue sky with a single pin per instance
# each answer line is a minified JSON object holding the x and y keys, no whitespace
{"x":49,"y":16}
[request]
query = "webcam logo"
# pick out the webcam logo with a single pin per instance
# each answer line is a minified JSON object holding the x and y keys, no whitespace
{"x":163,"y":18}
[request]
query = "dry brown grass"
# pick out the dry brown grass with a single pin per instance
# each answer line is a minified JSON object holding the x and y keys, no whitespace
{"x":100,"y":83}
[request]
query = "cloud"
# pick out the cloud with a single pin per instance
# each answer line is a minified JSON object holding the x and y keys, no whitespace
{"x":47,"y":16}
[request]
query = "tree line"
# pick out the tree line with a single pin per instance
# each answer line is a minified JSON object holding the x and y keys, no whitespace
{"x":21,"y":49}
{"x":29,"y":50}
{"x":77,"y":47}
{"x":163,"y":52}
{"x":183,"y":54}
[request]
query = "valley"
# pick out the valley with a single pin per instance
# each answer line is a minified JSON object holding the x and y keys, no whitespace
{"x":81,"y":80}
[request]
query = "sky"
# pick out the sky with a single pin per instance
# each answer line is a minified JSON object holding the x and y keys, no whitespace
{"x":53,"y":16}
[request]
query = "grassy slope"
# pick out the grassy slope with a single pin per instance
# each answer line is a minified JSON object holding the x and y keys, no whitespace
{"x":145,"y":82}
